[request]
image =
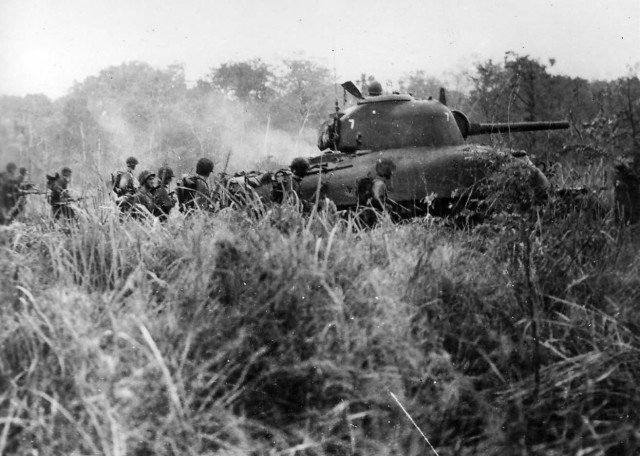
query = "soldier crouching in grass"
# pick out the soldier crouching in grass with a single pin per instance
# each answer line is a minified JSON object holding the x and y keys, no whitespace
{"x":141,"y":204}
{"x":373,"y":194}
{"x":8,"y":189}
{"x":194,"y":192}
{"x":163,"y":199}
{"x":60,"y":199}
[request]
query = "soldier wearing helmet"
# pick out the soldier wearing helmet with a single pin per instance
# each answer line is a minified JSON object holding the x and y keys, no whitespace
{"x":163,"y":199}
{"x":142,"y":203}
{"x":194,"y":191}
{"x":282,"y":186}
{"x":374,"y":89}
{"x":124,"y":181}
{"x":8,"y":187}
{"x":59,"y":198}
{"x":22,"y":188}
{"x":373,"y":194}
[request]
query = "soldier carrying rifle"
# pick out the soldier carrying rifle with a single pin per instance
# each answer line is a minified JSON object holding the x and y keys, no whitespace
{"x":8,"y":194}
{"x":59,"y":198}
{"x":163,"y":198}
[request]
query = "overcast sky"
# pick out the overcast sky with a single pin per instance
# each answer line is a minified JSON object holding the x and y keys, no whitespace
{"x":46,"y":45}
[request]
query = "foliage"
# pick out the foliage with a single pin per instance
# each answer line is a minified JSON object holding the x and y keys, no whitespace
{"x":305,"y":95}
{"x":604,"y":115}
{"x":248,"y":81}
{"x":270,"y":331}
{"x":273,"y":332}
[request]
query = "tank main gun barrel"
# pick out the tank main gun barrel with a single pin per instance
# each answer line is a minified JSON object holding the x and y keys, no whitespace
{"x":488,"y":128}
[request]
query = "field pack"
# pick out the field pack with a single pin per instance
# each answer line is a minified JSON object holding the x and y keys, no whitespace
{"x":51,"y":180}
{"x":115,"y":183}
{"x":186,"y":192}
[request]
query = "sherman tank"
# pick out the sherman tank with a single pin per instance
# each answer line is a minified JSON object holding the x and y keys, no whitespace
{"x":423,"y":141}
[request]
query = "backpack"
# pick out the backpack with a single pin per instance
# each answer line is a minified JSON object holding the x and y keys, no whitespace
{"x":186,"y":193}
{"x":364,"y":190}
{"x":115,"y":183}
{"x":51,"y":180}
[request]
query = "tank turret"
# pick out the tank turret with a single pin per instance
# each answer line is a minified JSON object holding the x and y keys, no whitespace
{"x":399,"y":120}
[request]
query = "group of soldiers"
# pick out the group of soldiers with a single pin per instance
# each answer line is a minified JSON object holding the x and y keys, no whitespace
{"x":145,"y":194}
{"x":15,"y":188}
{"x":149,"y":193}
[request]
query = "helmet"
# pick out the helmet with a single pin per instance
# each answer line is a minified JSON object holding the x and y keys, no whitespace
{"x":165,"y":173}
{"x":375,"y":89}
{"x":132,"y":161}
{"x":144,"y":176}
{"x":66,"y":171}
{"x":204,"y":166}
{"x":11,"y":167}
{"x":23,"y":170}
{"x":385,"y":167}
{"x":299,"y":166}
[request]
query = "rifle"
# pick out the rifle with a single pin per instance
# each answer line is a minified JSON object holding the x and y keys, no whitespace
{"x":72,"y":200}
{"x":226,"y":162}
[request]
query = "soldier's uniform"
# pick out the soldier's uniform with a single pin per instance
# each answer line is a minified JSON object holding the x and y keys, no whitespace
{"x":201,"y":197}
{"x":372,"y":192}
{"x":59,"y":198}
{"x":22,"y":188}
{"x":127,"y":184}
{"x":194,"y":191}
{"x":9,"y":196}
{"x":162,"y":197}
{"x":285,"y":188}
{"x":142,"y":203}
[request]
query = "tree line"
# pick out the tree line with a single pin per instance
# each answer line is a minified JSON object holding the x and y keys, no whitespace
{"x":251,"y":114}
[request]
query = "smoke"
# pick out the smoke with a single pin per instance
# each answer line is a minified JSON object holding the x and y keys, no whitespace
{"x":234,"y":134}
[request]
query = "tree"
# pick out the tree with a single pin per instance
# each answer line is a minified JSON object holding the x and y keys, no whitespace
{"x":247,"y":81}
{"x":305,"y":95}
{"x":489,"y":95}
{"x":420,"y":85}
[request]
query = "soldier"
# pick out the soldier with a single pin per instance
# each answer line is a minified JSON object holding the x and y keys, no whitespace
{"x":124,"y":182}
{"x":8,"y":186}
{"x":22,"y":175}
{"x":282,"y":189}
{"x":22,"y":189}
{"x":194,"y":192}
{"x":299,"y":168}
{"x":372,"y":192}
{"x":240,"y":189}
{"x":142,"y":203}
{"x":375,"y":89}
{"x":164,"y":201}
{"x":60,"y":199}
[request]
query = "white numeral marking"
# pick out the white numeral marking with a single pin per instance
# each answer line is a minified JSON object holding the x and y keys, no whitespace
{"x":352,"y":122}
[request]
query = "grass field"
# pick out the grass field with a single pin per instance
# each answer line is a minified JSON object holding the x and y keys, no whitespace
{"x":286,"y":334}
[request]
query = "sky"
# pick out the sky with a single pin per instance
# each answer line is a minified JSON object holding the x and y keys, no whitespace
{"x":47,"y":45}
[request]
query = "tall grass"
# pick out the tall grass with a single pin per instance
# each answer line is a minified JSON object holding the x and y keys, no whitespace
{"x":270,"y":332}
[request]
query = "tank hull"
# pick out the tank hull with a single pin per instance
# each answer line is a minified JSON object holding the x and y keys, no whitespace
{"x":422,"y":173}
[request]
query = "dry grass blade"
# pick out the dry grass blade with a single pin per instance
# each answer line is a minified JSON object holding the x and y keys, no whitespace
{"x":58,"y":407}
{"x":171,"y":386}
{"x":414,"y":423}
